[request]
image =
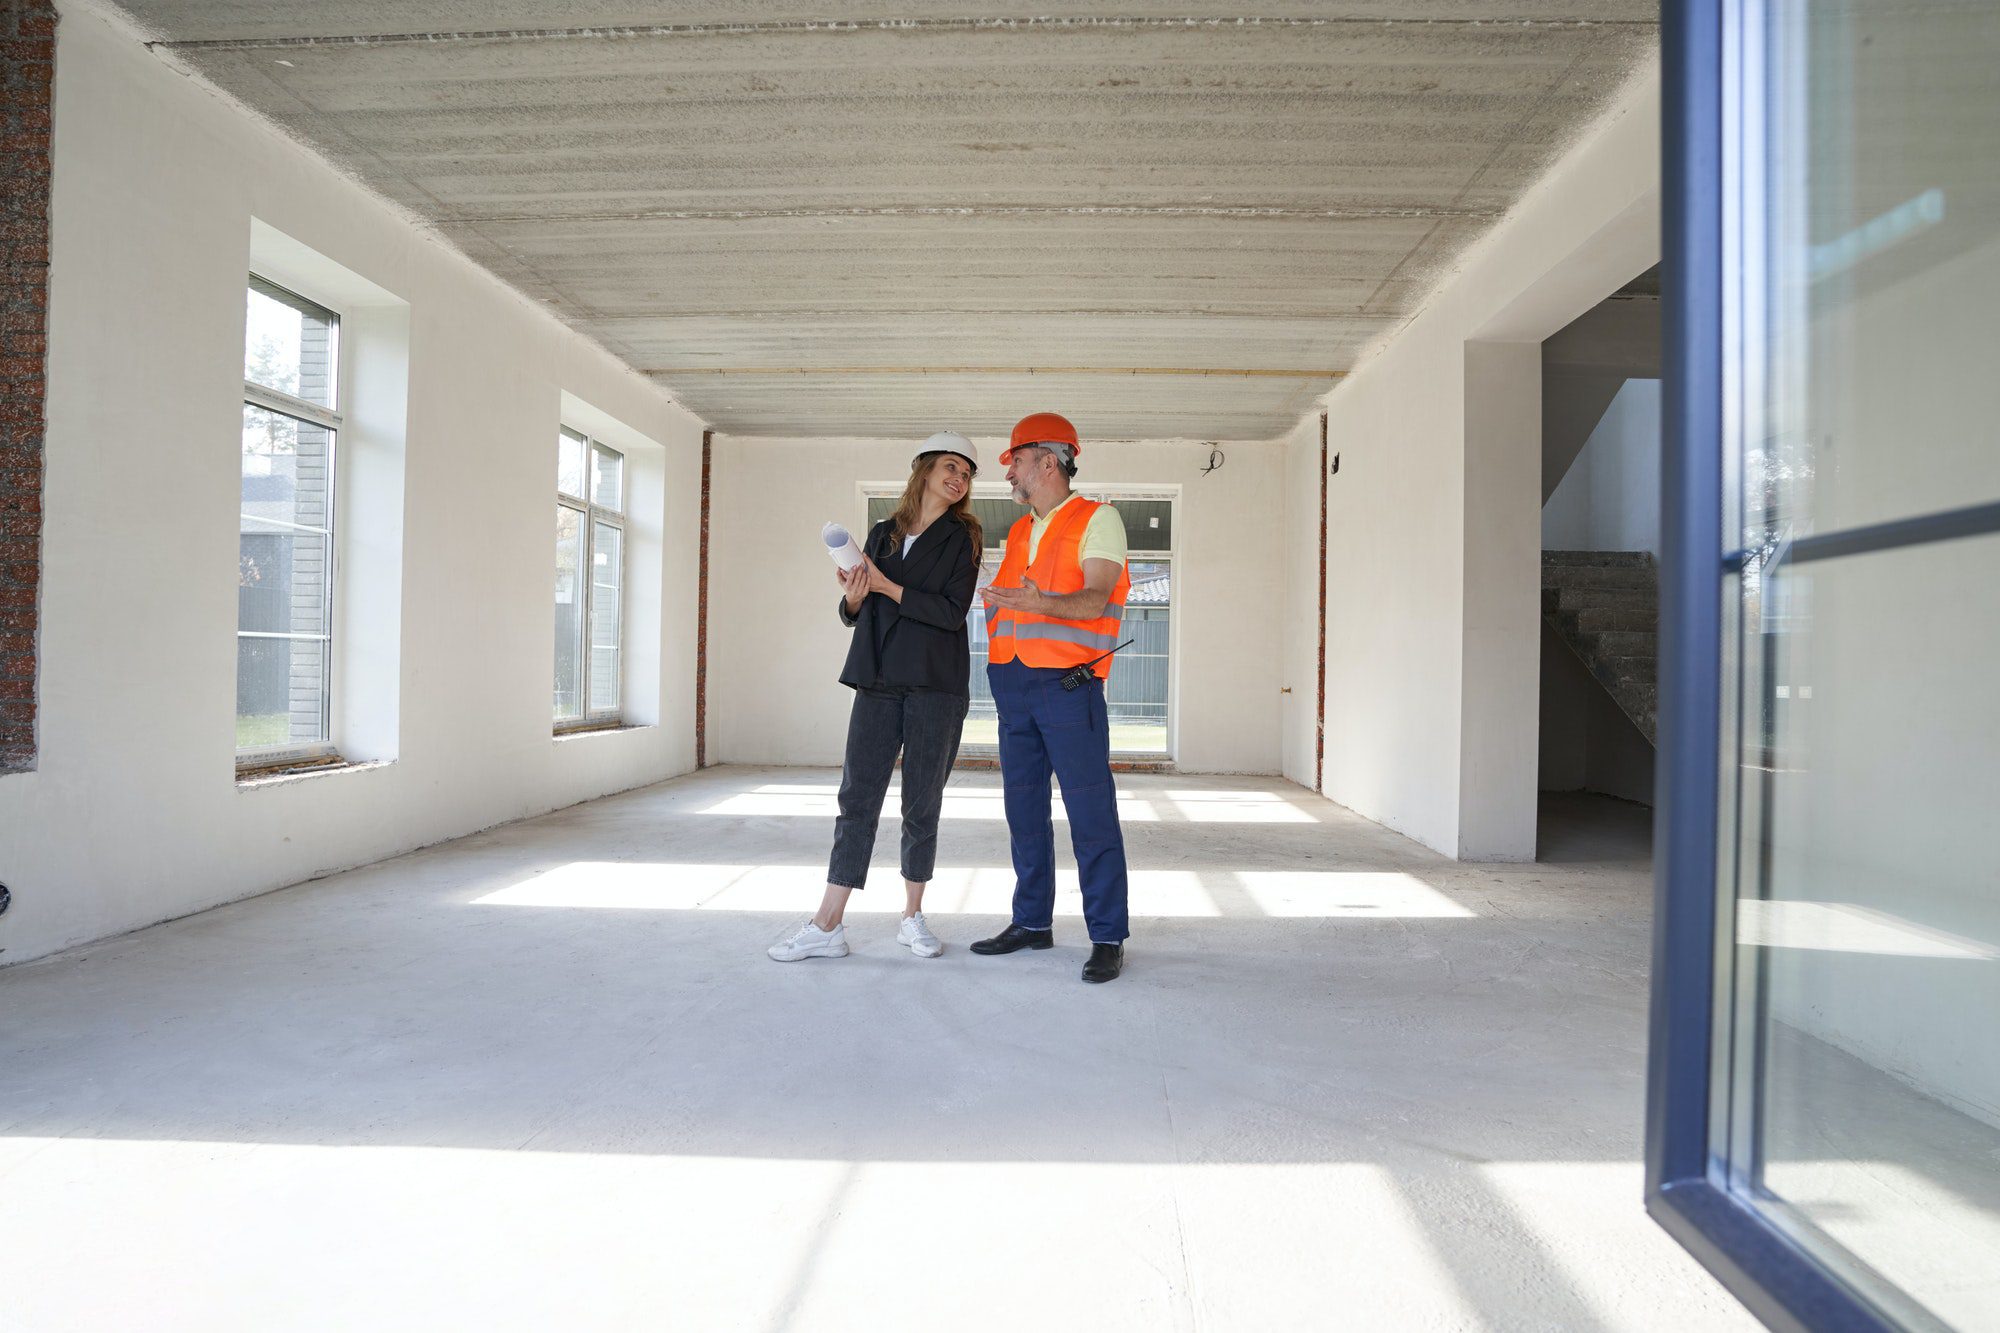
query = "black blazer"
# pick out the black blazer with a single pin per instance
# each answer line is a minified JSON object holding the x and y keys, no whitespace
{"x":922,"y":642}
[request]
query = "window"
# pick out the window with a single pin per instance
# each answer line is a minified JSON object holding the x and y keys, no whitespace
{"x":284,"y":570}
{"x":1825,"y":1108}
{"x":1136,"y":695}
{"x":590,"y":580}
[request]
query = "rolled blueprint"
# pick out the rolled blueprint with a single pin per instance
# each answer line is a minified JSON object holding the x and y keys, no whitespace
{"x":840,"y":546}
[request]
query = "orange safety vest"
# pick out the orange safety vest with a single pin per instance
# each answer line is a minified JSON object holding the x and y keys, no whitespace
{"x":1045,"y":641}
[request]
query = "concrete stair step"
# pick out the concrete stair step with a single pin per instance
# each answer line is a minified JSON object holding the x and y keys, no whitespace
{"x":1625,"y":663}
{"x":1637,"y":698}
{"x":1606,"y":606}
{"x":1642,"y":706}
{"x":1624,"y":559}
{"x":1638,"y":645}
{"x":1594,"y":618}
{"x":1573,"y":601}
{"x":1595,"y":588}
{"x":1599,"y":576}
{"x":1619,"y":673}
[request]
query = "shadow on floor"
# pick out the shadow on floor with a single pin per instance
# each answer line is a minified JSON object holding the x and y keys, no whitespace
{"x":1583,"y":828}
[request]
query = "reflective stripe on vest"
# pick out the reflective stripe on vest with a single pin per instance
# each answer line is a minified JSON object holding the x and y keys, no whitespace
{"x":1067,"y":632}
{"x":1112,"y":611}
{"x":1047,"y":641}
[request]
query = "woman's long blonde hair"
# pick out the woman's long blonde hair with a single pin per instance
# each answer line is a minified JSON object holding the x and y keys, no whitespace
{"x":911,"y":507}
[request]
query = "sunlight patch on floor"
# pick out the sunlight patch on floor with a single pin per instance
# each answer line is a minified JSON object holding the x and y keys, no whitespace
{"x":821,"y":801}
{"x":973,"y":804}
{"x":443,"y":1233}
{"x":684,"y":886}
{"x":1237,"y":807}
{"x":1389,"y":893}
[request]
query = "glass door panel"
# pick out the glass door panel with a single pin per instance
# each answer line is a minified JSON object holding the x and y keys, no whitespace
{"x":1860,"y":1042}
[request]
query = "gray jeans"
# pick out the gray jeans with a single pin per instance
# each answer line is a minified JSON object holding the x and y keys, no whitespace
{"x":925,"y":726}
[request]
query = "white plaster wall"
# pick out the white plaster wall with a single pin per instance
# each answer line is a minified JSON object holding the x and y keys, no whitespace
{"x":1502,"y":584}
{"x":1610,"y":498}
{"x":1393,"y":597}
{"x":1584,"y":365}
{"x":1298,"y":711}
{"x":776,"y":646}
{"x":1431,"y":701}
{"x":134,"y":814}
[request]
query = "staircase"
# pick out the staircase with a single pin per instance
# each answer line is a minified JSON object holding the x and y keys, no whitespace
{"x":1606,"y":607}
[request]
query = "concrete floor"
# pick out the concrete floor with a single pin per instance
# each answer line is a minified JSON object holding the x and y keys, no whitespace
{"x":544,"y":1077}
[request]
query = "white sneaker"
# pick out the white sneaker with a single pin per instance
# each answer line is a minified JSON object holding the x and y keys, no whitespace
{"x":916,"y":933}
{"x":811,"y":942}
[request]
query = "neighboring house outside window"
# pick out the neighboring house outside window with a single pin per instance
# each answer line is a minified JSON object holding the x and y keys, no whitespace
{"x":285,"y":573}
{"x":590,"y":581}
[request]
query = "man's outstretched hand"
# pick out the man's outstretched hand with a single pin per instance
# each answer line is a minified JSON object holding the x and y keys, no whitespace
{"x":1027,"y":598}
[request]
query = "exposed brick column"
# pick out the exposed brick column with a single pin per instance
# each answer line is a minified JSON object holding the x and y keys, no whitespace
{"x":27,"y":82}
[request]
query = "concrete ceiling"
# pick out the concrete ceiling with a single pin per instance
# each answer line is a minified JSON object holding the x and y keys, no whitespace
{"x":861,"y":220}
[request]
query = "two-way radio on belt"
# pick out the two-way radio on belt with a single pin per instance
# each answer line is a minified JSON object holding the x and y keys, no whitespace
{"x":1077,"y":675}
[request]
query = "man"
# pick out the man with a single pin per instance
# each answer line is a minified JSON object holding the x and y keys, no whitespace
{"x":1052,"y":619}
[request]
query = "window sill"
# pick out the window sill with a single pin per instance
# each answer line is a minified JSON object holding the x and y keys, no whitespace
{"x":281,"y":777}
{"x":607,"y":729}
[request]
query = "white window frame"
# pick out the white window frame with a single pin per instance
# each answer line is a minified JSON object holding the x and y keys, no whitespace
{"x":328,"y":418}
{"x":1171,"y":495}
{"x":593,"y":719}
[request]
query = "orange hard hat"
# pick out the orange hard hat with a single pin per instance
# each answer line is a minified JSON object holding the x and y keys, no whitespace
{"x":1041,"y":428}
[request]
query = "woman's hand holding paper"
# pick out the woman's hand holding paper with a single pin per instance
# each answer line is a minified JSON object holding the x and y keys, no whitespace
{"x":854,"y":582}
{"x":877,"y":581}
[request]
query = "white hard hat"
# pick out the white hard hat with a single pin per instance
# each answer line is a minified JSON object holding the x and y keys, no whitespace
{"x":951,"y":442}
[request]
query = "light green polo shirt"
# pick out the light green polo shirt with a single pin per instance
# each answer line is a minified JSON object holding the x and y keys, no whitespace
{"x":1103,"y":536}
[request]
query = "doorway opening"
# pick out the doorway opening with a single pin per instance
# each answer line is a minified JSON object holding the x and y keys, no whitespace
{"x":1599,"y":695}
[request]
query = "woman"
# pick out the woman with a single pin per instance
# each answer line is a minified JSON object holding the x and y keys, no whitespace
{"x":910,"y":667}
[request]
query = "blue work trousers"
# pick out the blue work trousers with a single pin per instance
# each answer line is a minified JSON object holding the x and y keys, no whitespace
{"x":1046,"y":729}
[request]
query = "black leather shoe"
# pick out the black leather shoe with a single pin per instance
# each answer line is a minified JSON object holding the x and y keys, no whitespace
{"x":1016,"y":937}
{"x":1106,"y":962}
